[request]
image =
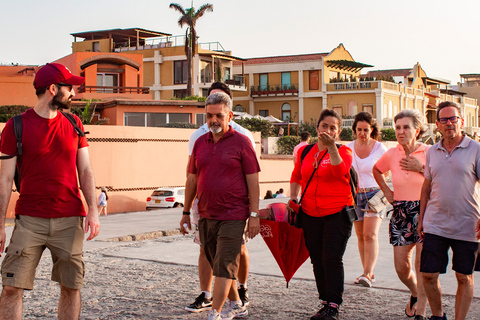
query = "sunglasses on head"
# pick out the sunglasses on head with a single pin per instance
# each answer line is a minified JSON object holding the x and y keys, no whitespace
{"x":445,"y":120}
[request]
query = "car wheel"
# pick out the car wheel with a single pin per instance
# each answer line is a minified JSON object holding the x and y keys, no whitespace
{"x":177,"y":204}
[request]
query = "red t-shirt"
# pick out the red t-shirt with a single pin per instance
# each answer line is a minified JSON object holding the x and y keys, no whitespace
{"x":49,"y":186}
{"x":329,"y":191}
{"x":221,"y":168}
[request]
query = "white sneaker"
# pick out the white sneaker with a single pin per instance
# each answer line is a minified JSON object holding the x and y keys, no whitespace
{"x":213,"y":315}
{"x":234,"y":310}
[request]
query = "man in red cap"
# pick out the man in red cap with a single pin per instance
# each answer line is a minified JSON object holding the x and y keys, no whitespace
{"x":49,"y":212}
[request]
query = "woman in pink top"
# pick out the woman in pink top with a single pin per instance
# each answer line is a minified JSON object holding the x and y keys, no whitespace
{"x":406,"y":163}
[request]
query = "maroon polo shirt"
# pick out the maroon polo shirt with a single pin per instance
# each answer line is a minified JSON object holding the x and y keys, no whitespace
{"x":221,"y":168}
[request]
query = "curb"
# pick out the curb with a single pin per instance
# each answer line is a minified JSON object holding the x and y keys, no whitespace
{"x":144,"y":236}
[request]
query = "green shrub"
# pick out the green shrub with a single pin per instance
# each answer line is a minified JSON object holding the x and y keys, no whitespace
{"x":287,"y":144}
{"x":257,"y":125}
{"x":388,"y":134}
{"x":183,"y":125}
{"x":8,"y":111}
{"x":310,"y":126}
{"x":346,"y":134}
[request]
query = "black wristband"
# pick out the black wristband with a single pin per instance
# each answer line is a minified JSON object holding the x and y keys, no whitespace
{"x":186,"y":213}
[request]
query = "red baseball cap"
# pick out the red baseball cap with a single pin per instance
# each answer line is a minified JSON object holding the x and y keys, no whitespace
{"x":53,"y":73}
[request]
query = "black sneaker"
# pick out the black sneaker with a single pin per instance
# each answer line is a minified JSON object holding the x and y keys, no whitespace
{"x":200,"y":304}
{"x":331,"y":313}
{"x":243,"y":293}
{"x":321,"y":313}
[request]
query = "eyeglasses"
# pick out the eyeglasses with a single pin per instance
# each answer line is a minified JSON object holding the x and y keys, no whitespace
{"x":220,"y":116}
{"x":69,"y":86}
{"x":445,"y":120}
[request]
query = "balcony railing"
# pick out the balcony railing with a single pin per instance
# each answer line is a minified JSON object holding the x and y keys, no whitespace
{"x":388,"y":123}
{"x":351,"y":85}
{"x":164,"y":42}
{"x":274,"y":89}
{"x":102,"y":89}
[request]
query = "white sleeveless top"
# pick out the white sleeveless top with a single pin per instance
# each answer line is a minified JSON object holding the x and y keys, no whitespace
{"x":364,"y":166}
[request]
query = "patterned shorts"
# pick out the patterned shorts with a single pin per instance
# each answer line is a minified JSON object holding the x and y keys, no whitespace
{"x":403,"y":224}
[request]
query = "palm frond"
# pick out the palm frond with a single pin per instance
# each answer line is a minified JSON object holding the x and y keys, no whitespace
{"x":177,"y":7}
{"x":204,"y":8}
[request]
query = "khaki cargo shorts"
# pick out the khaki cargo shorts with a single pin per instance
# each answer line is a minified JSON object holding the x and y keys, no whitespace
{"x":31,"y":235}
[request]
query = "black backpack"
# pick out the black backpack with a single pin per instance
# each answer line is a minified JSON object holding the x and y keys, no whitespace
{"x":18,"y":129}
{"x":352,"y":175}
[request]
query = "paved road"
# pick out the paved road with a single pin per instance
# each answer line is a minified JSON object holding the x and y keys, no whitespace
{"x":156,"y":277}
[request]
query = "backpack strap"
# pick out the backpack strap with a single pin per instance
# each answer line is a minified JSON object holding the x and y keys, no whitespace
{"x":71,"y":118}
{"x":18,"y":130}
{"x":305,"y":151}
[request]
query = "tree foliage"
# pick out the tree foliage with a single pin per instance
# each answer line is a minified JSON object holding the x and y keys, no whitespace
{"x":388,"y":134}
{"x":86,"y":115}
{"x":287,"y":144}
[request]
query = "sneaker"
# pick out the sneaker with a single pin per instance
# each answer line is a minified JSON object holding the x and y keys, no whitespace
{"x":364,"y":281}
{"x":213,"y":315}
{"x":200,"y":304}
{"x":243,"y":293}
{"x":321,"y":313}
{"x":234,"y":310}
{"x":331,"y":313}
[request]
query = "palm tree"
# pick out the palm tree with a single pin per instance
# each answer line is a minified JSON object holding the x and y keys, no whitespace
{"x":189,"y":17}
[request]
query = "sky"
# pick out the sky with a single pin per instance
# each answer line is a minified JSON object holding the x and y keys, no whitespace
{"x":444,"y":36}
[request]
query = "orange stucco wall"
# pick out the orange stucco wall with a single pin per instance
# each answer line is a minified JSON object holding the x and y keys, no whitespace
{"x":134,"y":161}
{"x":17,"y":90}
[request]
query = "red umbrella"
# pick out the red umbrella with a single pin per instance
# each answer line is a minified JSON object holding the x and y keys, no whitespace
{"x":287,"y":245}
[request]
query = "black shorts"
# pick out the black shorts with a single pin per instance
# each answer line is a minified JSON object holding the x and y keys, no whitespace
{"x":435,"y":254}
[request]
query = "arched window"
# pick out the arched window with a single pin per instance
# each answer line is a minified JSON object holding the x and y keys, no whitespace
{"x":286,"y":112}
{"x":238,"y":108}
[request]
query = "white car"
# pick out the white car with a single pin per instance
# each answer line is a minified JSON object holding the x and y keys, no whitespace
{"x":166,"y":198}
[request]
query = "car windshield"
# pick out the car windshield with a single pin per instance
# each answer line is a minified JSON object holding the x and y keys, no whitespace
{"x":162,"y":193}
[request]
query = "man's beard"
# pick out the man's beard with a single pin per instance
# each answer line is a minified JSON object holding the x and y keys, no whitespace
{"x":59,"y":103}
{"x":215,"y":129}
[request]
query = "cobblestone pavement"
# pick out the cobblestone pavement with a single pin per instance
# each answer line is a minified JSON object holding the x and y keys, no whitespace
{"x":123,"y":288}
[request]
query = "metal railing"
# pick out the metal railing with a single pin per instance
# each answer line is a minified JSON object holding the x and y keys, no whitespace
{"x":388,"y":123}
{"x":165,"y":42}
{"x":102,"y":89}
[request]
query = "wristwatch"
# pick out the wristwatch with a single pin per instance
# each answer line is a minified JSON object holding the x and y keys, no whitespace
{"x":254,"y":214}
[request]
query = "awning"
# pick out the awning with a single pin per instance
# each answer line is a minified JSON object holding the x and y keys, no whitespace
{"x":347,"y":65}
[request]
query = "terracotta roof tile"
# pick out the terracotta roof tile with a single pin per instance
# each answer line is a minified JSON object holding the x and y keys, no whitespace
{"x":283,"y":59}
{"x":389,"y":72}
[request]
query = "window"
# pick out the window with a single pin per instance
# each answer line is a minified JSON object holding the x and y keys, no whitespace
{"x":180,"y":94}
{"x":286,"y":112}
{"x":178,"y":117}
{"x":204,"y":92}
{"x":286,"y":80}
{"x":180,"y":72}
{"x":313,"y":80}
{"x":226,"y":75}
{"x":238,"y":108}
{"x":200,"y":119}
{"x":96,"y":46}
{"x":263,"y":113}
{"x":338,"y":109}
{"x":153,"y":119}
{"x":206,"y":72}
{"x":368,"y":108}
{"x":109,"y":82}
{"x":263,"y":81}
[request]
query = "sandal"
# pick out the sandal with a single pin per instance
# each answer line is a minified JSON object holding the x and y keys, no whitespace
{"x":412,"y":303}
{"x":419,"y":317}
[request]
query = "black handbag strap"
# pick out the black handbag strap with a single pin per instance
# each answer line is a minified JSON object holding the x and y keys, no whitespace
{"x":309,"y":180}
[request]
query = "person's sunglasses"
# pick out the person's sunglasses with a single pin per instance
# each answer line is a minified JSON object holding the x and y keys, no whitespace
{"x":445,"y":120}
{"x":69,"y":86}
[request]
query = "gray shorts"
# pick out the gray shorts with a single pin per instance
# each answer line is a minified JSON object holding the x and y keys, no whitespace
{"x":362,"y":200}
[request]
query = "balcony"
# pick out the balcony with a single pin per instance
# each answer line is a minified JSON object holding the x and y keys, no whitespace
{"x":273,"y":90}
{"x":362,"y":85}
{"x":237,"y":83}
{"x":164,"y":42}
{"x":101,"y":89}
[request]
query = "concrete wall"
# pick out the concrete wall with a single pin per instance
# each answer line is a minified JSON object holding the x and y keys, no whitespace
{"x":131,"y":162}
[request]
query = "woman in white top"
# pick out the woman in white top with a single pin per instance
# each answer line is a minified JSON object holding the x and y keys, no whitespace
{"x":366,"y":150}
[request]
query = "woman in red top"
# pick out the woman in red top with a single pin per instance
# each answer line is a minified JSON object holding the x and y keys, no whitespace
{"x":323,"y":213}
